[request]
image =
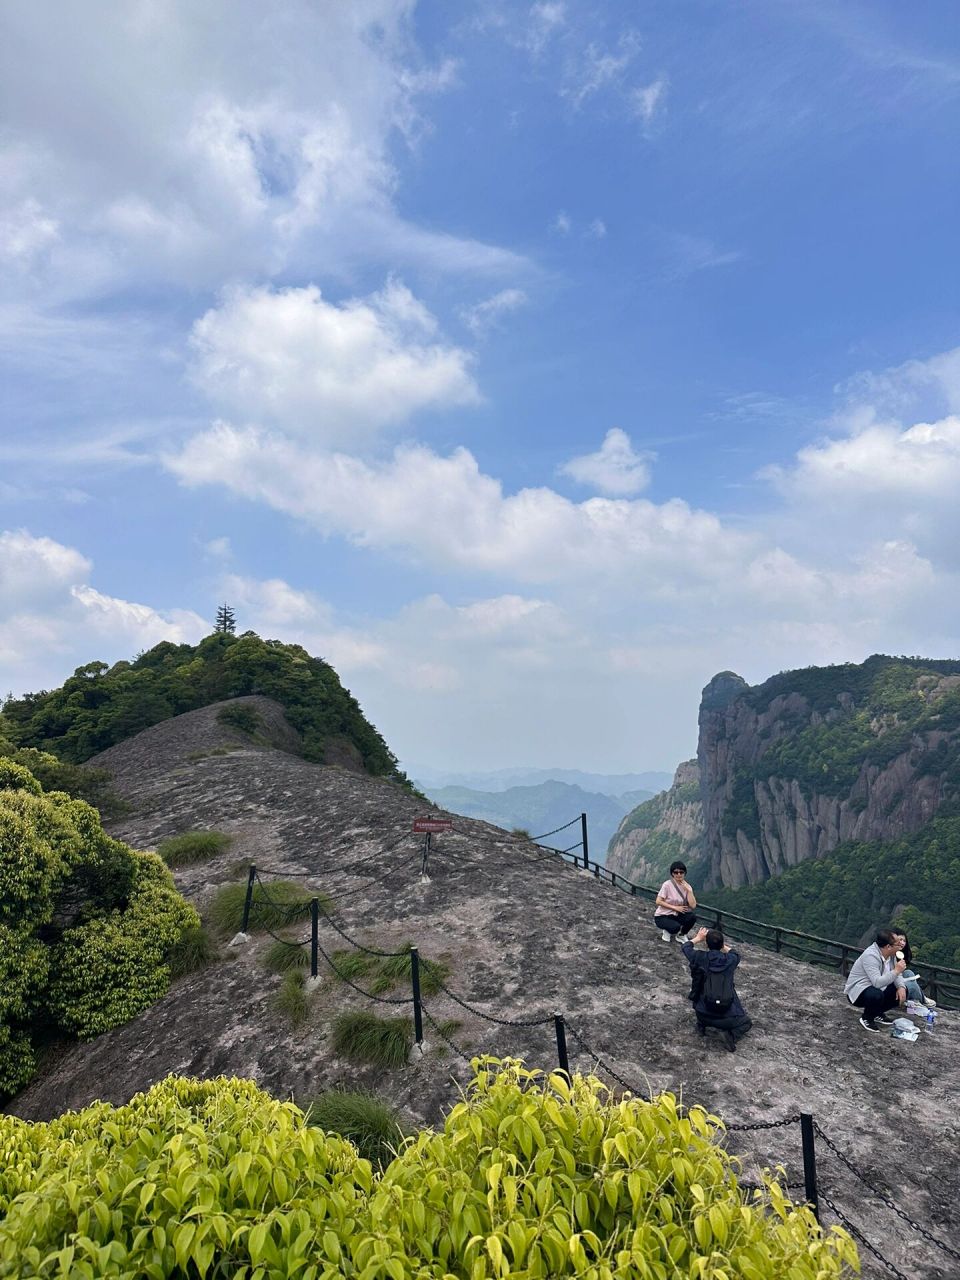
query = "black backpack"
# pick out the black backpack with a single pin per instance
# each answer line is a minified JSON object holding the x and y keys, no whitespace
{"x":718,"y":991}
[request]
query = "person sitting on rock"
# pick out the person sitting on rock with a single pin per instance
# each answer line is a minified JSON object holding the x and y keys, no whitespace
{"x":876,"y":983}
{"x":675,"y":903}
{"x":909,"y":975}
{"x":714,"y":996}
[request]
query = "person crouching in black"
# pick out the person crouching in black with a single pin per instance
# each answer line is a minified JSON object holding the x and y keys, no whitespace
{"x":715,"y":1000}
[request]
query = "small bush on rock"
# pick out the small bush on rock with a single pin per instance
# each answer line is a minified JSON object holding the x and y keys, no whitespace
{"x":280,"y":903}
{"x":363,"y":1037}
{"x":193,"y":846}
{"x":368,"y":1121}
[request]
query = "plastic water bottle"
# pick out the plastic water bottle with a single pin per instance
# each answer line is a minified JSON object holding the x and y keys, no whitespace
{"x":929,"y":1020}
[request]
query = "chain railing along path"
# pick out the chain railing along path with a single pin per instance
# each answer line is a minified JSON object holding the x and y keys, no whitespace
{"x":808,"y":1126}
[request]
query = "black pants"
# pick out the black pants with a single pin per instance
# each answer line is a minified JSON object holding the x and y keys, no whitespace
{"x":738,"y":1024}
{"x":682,"y":923}
{"x":874,"y":1000}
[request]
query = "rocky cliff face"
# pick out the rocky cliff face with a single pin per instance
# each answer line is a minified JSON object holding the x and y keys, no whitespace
{"x":666,"y":827}
{"x":793,"y":767}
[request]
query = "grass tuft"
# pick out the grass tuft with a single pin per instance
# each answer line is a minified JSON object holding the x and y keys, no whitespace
{"x":286,"y":905}
{"x":194,"y":950}
{"x":384,"y":973}
{"x":279,"y":957}
{"x":193,"y":846}
{"x":292,"y":999}
{"x":363,"y":1037}
{"x":368,"y":1121}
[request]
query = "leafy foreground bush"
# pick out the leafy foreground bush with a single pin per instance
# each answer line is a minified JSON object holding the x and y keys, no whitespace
{"x":368,"y":1121}
{"x":530,"y":1177}
{"x":87,"y":925}
{"x":193,"y":846}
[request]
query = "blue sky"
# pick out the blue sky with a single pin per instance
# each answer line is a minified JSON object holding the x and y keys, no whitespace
{"x":530,"y":362}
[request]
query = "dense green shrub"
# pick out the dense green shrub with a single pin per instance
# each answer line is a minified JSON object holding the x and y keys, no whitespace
{"x":530,"y":1177}
{"x":86,"y":924}
{"x":193,"y":846}
{"x":369,"y":1122}
{"x":239,"y":716}
{"x":281,"y":956}
{"x":194,"y":950}
{"x":363,"y":1037}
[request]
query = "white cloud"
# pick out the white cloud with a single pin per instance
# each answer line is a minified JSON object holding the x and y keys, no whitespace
{"x":185,"y":144}
{"x":648,"y":100}
{"x":445,"y":511}
{"x":50,"y":615}
{"x":330,"y":372}
{"x":596,"y":230}
{"x":486,"y":315}
{"x":561,"y":224}
{"x":615,"y":468}
{"x":596,"y":69}
{"x":545,"y":22}
{"x":687,"y":254}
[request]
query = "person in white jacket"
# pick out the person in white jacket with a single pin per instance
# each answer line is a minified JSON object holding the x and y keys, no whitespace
{"x":875,"y":983}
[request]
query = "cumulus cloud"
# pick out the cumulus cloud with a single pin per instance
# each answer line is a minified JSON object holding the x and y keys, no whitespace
{"x":50,"y":615}
{"x":615,"y":468}
{"x":288,"y":357}
{"x":445,"y":511}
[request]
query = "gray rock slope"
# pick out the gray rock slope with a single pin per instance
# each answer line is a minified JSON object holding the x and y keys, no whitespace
{"x":525,"y":935}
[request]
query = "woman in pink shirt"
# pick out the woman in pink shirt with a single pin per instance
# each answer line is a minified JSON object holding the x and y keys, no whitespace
{"x":675,"y":903}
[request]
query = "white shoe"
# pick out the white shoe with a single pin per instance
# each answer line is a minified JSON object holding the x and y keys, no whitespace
{"x":666,"y":935}
{"x":931,"y":1004}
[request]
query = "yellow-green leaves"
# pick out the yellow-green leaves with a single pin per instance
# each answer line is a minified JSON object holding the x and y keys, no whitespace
{"x":215,"y":1178}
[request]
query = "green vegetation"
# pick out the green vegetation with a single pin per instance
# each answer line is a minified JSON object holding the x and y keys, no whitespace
{"x":644,"y":816}
{"x":281,"y":903}
{"x":741,"y":813}
{"x":193,"y":846}
{"x":240,"y":717}
{"x":281,"y":956}
{"x":87,"y":925}
{"x":292,"y":999}
{"x":914,"y":882}
{"x":367,"y":1121}
{"x":385,"y":973}
{"x":194,"y":950}
{"x":880,"y":680}
{"x":100,"y":705}
{"x":530,"y":1176}
{"x":364,"y":1038}
{"x":92,"y":785}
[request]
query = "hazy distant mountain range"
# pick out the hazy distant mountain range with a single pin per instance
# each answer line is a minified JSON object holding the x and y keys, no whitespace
{"x":547,"y":804}
{"x":608,"y":784}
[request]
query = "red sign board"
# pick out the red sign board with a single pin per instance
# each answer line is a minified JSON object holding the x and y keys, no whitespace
{"x":430,"y":826}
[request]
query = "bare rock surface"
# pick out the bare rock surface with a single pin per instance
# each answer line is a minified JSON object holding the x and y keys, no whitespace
{"x":525,"y":935}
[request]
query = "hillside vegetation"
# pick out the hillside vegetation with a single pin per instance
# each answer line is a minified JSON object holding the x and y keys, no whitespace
{"x":87,"y":926}
{"x":913,"y":882}
{"x":531,"y":1176}
{"x":100,"y":706}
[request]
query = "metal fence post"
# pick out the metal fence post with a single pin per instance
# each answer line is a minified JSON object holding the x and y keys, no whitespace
{"x":248,"y":900}
{"x":314,"y":934}
{"x":426,"y":851}
{"x":777,"y":939}
{"x":415,"y":981}
{"x":584,"y":842}
{"x":561,"y":1044}
{"x":809,"y":1163}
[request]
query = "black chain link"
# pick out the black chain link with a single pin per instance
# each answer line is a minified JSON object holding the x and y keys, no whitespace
{"x":363,"y":888}
{"x":555,"y":830}
{"x":880,"y":1195}
{"x":277,"y":906}
{"x":572,"y":847}
{"x":763,"y":1124}
{"x":601,"y":1063}
{"x":445,"y":1038}
{"x":500,"y":1022}
{"x":359,"y":945}
{"x":858,"y":1235}
{"x":294,"y":946}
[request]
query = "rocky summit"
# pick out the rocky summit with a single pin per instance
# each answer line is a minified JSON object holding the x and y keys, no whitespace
{"x":525,"y":935}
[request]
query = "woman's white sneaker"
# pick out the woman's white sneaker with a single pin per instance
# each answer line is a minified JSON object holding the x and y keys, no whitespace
{"x":666,"y":935}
